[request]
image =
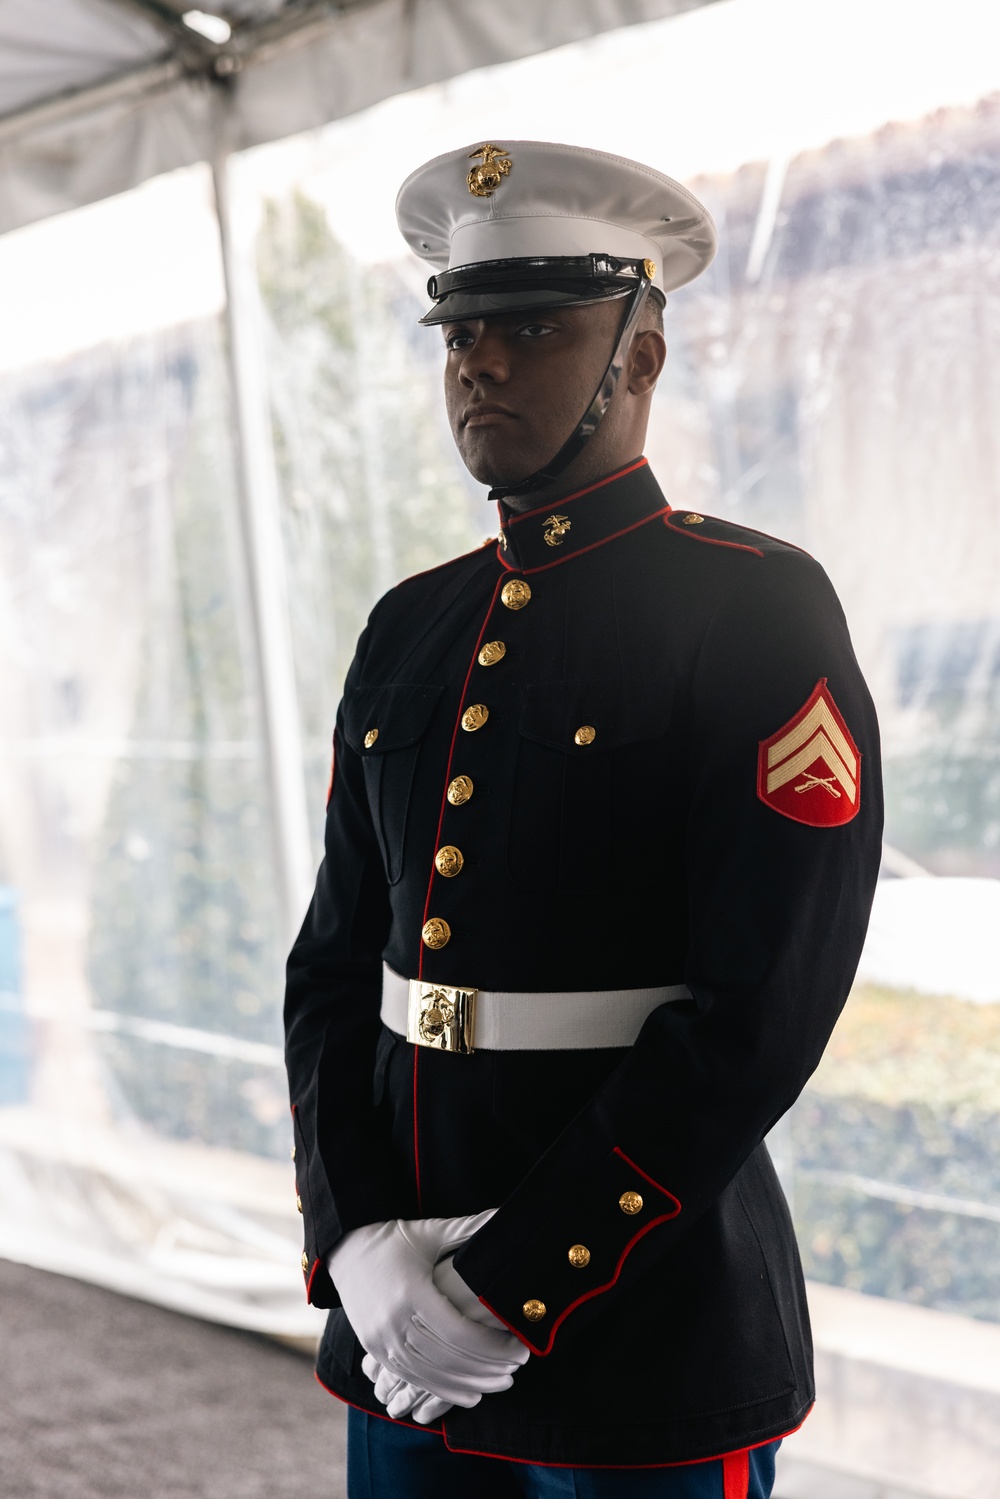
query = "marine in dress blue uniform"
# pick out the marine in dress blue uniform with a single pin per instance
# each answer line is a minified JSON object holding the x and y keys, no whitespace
{"x":601,"y":844}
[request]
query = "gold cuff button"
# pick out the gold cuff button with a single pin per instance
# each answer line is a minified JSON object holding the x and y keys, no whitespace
{"x":694,"y":520}
{"x":292,"y":1152}
{"x":515,"y":594}
{"x":534,"y":1310}
{"x":370,"y":738}
{"x":459,"y":790}
{"x":579,"y":1256}
{"x":492,"y":652}
{"x":585,"y":734}
{"x":437,"y":933}
{"x":449,"y":861}
{"x":305,"y":1264}
{"x":630,"y":1202}
{"x":474,"y":717}
{"x":298,"y":1202}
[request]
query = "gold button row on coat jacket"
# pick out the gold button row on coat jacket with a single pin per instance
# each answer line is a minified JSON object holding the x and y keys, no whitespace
{"x":631,"y":1203}
{"x":579,"y":1256}
{"x":436,"y":933}
{"x":492,"y":652}
{"x":370,"y":738}
{"x":534,"y":1310}
{"x":460,"y":790}
{"x":585,"y":734}
{"x":515,"y":593}
{"x":449,"y":861}
{"x":474,"y":717}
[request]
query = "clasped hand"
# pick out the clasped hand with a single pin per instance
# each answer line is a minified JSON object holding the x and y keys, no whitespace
{"x":430,"y":1343}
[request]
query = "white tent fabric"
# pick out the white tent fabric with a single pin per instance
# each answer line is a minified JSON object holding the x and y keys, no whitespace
{"x":96,"y":96}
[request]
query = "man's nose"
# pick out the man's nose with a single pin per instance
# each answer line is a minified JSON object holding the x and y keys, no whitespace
{"x":486,"y":360}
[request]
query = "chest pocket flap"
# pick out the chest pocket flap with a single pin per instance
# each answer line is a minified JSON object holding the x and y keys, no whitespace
{"x":590,"y":717}
{"x":397,"y":714}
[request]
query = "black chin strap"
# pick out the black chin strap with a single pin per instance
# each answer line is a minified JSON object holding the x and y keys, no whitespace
{"x":592,"y":417}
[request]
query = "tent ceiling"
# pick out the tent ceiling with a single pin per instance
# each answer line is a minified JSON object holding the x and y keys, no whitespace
{"x":98,"y":95}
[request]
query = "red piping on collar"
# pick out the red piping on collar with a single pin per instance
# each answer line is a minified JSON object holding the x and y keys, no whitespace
{"x":596,"y":1290}
{"x":544,"y":567}
{"x":569,"y":498}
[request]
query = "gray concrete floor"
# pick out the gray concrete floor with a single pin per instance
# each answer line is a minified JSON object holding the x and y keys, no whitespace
{"x":106,"y":1398}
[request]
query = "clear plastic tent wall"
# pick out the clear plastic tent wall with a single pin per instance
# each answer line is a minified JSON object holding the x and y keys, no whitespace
{"x":833,"y":379}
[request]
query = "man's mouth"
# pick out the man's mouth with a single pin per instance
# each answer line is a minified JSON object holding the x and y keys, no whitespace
{"x":486,"y":415}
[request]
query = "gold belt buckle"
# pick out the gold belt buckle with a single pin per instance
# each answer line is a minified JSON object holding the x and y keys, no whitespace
{"x":441,"y":1016}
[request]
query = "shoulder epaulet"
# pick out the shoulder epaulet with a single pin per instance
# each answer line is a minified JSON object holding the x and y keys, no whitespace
{"x":724,"y":533}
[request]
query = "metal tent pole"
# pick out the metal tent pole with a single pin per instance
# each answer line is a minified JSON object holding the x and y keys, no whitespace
{"x":260,"y":517}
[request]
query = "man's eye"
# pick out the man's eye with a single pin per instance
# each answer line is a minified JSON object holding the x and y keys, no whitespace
{"x":458,"y":341}
{"x":535,"y":330}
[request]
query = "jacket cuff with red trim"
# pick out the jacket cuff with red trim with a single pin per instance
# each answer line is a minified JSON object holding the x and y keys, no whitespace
{"x":577,"y":1255}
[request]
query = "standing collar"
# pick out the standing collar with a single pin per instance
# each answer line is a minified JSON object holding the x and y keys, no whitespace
{"x":579,"y":522}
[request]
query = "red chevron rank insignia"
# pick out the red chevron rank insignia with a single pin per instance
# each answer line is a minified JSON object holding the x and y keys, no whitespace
{"x":810,"y":770}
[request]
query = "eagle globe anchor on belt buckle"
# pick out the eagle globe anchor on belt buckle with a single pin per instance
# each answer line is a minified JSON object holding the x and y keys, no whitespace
{"x":441,"y":1016}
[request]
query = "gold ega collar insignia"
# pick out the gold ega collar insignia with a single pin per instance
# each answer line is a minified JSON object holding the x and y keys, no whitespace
{"x":556,"y":527}
{"x":485,"y":178}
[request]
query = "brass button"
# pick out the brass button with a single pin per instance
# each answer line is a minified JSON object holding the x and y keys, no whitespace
{"x":449,"y":861}
{"x":459,"y":790}
{"x":579,"y":1256}
{"x":293,"y":1152}
{"x":370,"y":738}
{"x":492,"y":652}
{"x":474,"y":717}
{"x":694,"y":520}
{"x":649,"y":266}
{"x":534,"y":1310}
{"x":630,"y":1202}
{"x":305,"y":1263}
{"x":437,"y":933}
{"x":586,"y":734}
{"x":298,"y":1202}
{"x":515,"y":594}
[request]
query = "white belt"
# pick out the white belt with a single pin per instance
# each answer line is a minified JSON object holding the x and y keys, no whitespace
{"x":451,"y":1018}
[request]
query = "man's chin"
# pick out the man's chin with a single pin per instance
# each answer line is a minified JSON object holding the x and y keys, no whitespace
{"x":499,"y":470}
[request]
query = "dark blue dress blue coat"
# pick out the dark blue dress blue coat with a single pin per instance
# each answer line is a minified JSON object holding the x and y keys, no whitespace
{"x":652,"y":853}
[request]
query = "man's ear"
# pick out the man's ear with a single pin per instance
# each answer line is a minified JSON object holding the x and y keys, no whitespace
{"x":646,"y":359}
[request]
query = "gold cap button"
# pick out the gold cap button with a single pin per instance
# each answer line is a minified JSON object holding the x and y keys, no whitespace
{"x":370,"y":738}
{"x":298,"y":1202}
{"x":492,"y":652}
{"x":579,"y":1256}
{"x":515,"y":594}
{"x":474,"y":717}
{"x":534,"y":1310}
{"x":585,"y":734}
{"x":694,"y":520}
{"x":437,"y":933}
{"x":630,"y":1202}
{"x":305,"y":1262}
{"x":459,"y":790}
{"x":449,"y":861}
{"x":649,"y":266}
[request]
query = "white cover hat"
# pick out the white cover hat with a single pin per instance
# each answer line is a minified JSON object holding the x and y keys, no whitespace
{"x":539,"y":200}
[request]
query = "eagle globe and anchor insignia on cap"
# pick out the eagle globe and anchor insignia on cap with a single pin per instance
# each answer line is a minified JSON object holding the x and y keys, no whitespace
{"x":810,"y":770}
{"x":485,"y":178}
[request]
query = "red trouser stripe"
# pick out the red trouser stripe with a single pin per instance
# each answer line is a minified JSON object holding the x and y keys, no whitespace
{"x":736,"y":1474}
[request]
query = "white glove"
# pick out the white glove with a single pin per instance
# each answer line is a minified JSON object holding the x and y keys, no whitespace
{"x":383,"y":1273}
{"x":398,"y":1396}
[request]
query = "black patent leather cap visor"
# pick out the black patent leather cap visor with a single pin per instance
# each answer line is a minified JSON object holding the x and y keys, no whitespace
{"x":492,"y":287}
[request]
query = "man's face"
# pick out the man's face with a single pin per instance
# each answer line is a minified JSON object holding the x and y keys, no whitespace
{"x":517,"y":384}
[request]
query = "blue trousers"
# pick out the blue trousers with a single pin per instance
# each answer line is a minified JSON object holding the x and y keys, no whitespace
{"x":388,"y":1461}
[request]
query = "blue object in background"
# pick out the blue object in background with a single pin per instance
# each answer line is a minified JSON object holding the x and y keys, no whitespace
{"x":15,"y":1051}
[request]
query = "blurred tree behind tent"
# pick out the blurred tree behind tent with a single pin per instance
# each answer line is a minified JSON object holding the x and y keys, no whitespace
{"x":184,"y":915}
